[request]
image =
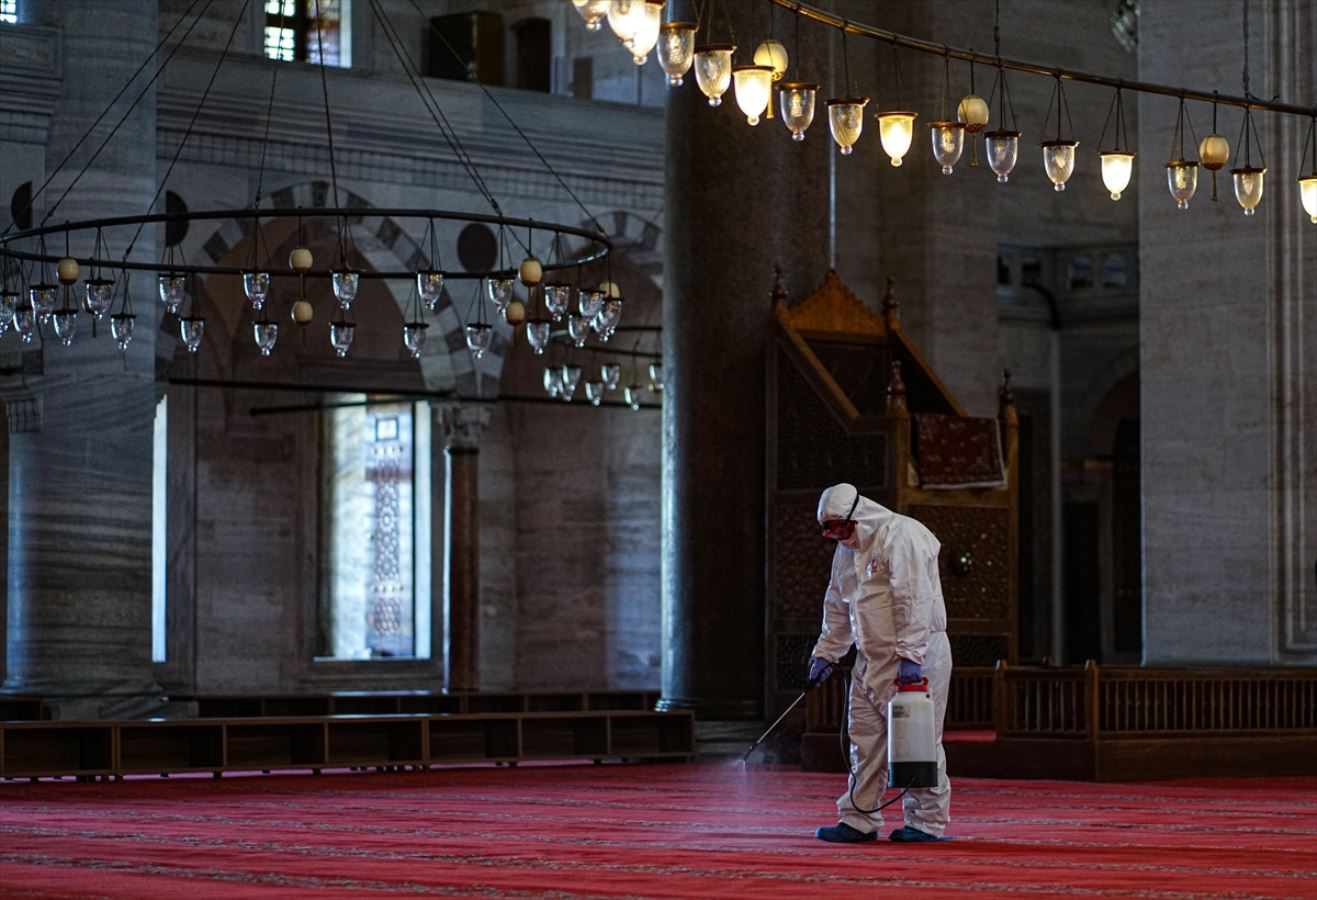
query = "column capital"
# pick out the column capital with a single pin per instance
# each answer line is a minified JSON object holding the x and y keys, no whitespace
{"x":463,"y":425}
{"x":23,"y":409}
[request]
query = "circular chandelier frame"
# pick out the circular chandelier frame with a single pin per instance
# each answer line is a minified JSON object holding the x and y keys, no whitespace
{"x":597,"y":247}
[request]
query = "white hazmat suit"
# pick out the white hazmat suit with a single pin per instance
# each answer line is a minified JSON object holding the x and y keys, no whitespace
{"x":885,"y":597}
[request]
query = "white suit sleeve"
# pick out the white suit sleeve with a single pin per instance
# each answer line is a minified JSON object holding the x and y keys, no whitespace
{"x":835,"y":638}
{"x":914,"y":595}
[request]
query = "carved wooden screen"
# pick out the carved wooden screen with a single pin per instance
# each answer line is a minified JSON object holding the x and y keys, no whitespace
{"x":829,"y":367}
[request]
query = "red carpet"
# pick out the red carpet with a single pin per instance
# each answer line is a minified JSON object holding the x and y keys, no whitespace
{"x":699,"y":830}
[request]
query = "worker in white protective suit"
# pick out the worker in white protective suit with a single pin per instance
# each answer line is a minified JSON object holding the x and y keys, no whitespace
{"x":885,"y":597}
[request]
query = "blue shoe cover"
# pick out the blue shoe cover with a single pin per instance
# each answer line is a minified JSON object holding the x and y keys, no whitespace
{"x":911,"y":835}
{"x":841,"y":833}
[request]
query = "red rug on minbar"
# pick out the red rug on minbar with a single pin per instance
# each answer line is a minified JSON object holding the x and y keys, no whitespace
{"x":681,"y":830}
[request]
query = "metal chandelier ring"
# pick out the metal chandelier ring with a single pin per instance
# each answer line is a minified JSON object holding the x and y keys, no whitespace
{"x":598,"y":246}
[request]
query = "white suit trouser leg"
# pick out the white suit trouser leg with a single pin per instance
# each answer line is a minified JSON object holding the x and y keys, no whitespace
{"x":928,"y":809}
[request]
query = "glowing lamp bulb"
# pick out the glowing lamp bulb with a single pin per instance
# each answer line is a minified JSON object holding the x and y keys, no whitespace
{"x":1308,"y":193}
{"x":1117,"y":168}
{"x":896,"y":130}
{"x":754,"y":86}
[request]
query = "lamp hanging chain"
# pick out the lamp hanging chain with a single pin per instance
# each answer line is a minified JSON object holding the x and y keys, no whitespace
{"x":1107,"y":122}
{"x":946,"y":85}
{"x":196,"y":113}
{"x":896,"y":65}
{"x":31,"y":201}
{"x":1247,"y":94}
{"x":846,"y":62}
{"x":1310,"y":141}
{"x":329,"y":127}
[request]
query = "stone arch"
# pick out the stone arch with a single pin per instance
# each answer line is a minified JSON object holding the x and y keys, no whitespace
{"x":1104,"y":401}
{"x":386,"y":245}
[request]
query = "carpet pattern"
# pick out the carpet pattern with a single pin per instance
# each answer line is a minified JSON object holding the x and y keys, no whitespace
{"x":708,"y":829}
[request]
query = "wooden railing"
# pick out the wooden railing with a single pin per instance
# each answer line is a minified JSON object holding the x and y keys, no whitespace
{"x":1111,"y":703}
{"x":1134,"y":702}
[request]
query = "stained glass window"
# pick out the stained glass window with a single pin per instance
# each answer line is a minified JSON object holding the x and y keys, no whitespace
{"x":377,"y":502}
{"x":9,"y":11}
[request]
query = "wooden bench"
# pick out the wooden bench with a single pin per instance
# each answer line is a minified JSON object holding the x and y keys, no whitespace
{"x":399,"y":741}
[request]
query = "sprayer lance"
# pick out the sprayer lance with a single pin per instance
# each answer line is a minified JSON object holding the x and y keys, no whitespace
{"x":794,"y":704}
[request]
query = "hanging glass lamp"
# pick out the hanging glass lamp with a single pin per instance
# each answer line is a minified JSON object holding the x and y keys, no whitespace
{"x":846,"y":121}
{"x":173,"y":290}
{"x":413,"y":337}
{"x":796,"y":100}
{"x":66,"y":325}
{"x":345,"y":283}
{"x":121,"y":328}
{"x":1182,"y":179}
{"x":430,"y":287}
{"x":1059,"y":161}
{"x":256,"y":285}
{"x":594,"y":391}
{"x":556,"y":299}
{"x":1003,"y":152}
{"x":479,"y":335}
{"x":341,"y":334}
{"x":633,"y":394}
{"x":611,"y":373}
{"x":571,"y":376}
{"x":553,"y":380}
{"x":948,"y":144}
{"x":590,"y":301}
{"x":191,"y":329}
{"x":713,"y":70}
{"x":578,"y":327}
{"x":1308,"y":194}
{"x":537,"y":335}
{"x":1248,"y":187}
{"x":266,"y":334}
{"x":97,"y":295}
{"x":676,"y":50}
{"x":500,"y":292}
{"x":656,"y":377}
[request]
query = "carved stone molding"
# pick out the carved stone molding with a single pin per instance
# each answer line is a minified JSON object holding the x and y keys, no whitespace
{"x":23,"y":412}
{"x":463,"y":426}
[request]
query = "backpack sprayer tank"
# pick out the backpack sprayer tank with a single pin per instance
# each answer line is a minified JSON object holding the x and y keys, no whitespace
{"x":911,"y":738}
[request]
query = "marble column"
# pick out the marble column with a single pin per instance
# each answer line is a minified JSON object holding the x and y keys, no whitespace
{"x":462,"y":427}
{"x":740,"y":200}
{"x":80,"y":449}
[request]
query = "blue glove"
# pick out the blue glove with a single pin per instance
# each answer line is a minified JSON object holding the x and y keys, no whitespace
{"x":820,"y":670}
{"x":908,"y":672}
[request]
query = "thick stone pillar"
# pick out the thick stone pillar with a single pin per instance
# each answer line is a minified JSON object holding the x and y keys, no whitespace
{"x":462,"y":428}
{"x":740,"y":200}
{"x":1227,"y":349}
{"x":81,"y":446}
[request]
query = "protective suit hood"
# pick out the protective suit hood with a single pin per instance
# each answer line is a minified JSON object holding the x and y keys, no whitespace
{"x":869,"y":517}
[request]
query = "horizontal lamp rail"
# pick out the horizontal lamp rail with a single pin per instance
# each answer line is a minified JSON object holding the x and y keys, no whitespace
{"x":922,"y":46}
